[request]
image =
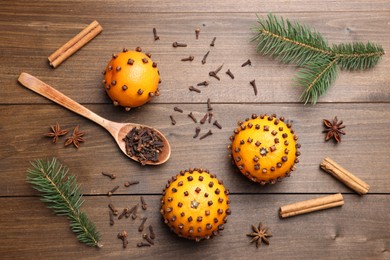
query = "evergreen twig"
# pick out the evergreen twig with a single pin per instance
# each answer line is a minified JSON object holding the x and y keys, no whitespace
{"x":61,"y":193}
{"x":295,"y":43}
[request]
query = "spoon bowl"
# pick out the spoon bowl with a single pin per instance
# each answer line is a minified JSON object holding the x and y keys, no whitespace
{"x":117,"y":130}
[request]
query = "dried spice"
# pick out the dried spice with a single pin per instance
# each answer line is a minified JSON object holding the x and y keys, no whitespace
{"x":141,"y":226}
{"x":248,"y":62}
{"x":333,"y":129}
{"x":76,"y":138}
{"x":189,"y":58}
{"x":129,"y":183}
{"x":144,"y":144}
{"x":56,"y":132}
{"x":197,"y":32}
{"x":156,"y":37}
{"x":123,"y":236}
{"x":259,"y":235}
{"x":213,"y":42}
{"x":110,"y":175}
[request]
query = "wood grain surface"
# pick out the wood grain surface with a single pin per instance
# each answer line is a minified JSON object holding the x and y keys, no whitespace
{"x":32,"y":30}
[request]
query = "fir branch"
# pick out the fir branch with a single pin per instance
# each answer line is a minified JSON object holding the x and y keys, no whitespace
{"x":316,"y":76}
{"x":296,"y":43}
{"x":357,"y":55}
{"x":61,"y":193}
{"x":291,"y":42}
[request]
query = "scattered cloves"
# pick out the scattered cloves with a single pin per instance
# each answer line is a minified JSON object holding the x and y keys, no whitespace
{"x":113,"y":209}
{"x":178,"y":109}
{"x":152,"y":234}
{"x":205,"y":57}
{"x":197,"y":131}
{"x":177,"y":44}
{"x":215,"y":72}
{"x":197,"y":31}
{"x":253,"y":83}
{"x":143,"y":203}
{"x":141,"y":227}
{"x":192,"y":88}
{"x":111,"y":175}
{"x":129,"y":183}
{"x":173,"y":121}
{"x":213,"y":42}
{"x":230,"y":73}
{"x":189,"y":58}
{"x":112,"y":191}
{"x":123,"y":236}
{"x":206,"y":135}
{"x":217,"y":124}
{"x":190,"y":115}
{"x":131,"y":211}
{"x":248,"y":62}
{"x":156,"y":37}
{"x":203,"y":120}
{"x":125,"y":210}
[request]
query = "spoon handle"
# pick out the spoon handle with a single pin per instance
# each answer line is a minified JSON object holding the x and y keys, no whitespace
{"x":54,"y":95}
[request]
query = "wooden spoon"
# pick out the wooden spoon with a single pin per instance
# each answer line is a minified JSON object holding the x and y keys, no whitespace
{"x":117,"y":130}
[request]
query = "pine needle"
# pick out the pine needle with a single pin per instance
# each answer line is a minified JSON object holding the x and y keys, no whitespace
{"x":295,"y":43}
{"x":61,"y":193}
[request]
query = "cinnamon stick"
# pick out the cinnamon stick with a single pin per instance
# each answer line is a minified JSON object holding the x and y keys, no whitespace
{"x":311,"y":205}
{"x":74,"y":44}
{"x":344,"y":176}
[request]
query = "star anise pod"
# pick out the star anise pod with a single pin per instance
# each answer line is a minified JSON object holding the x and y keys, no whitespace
{"x":76,"y":138}
{"x":56,"y":132}
{"x":333,"y":129}
{"x":259,"y":235}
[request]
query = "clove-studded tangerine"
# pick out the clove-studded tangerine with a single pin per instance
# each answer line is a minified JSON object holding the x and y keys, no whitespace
{"x":264,"y":148}
{"x":131,"y":78}
{"x":195,"y":204}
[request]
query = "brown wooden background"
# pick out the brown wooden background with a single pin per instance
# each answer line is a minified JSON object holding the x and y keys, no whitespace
{"x":32,"y":30}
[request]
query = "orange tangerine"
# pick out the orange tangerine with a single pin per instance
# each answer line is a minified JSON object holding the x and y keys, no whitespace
{"x":264,"y":148}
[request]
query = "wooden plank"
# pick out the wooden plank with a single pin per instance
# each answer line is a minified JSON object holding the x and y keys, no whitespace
{"x":27,"y":41}
{"x":363,"y":151}
{"x":177,"y":6}
{"x":31,"y":231}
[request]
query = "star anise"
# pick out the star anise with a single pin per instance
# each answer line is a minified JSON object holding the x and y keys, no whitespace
{"x":76,"y":138}
{"x":333,"y":129}
{"x":259,"y":235}
{"x":56,"y":132}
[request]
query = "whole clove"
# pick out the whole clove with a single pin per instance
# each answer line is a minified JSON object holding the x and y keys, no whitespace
{"x":209,"y":108}
{"x":128,"y":214}
{"x":178,"y":109}
{"x":192,"y":88}
{"x":141,"y":227}
{"x":205,"y":57}
{"x":123,"y":236}
{"x":111,"y":175}
{"x":197,"y":32}
{"x":173,"y":121}
{"x":129,"y":183}
{"x":197,"y":131}
{"x":143,"y":143}
{"x":147,"y":238}
{"x":189,"y":58}
{"x":152,"y":234}
{"x":125,"y":210}
{"x":206,"y":135}
{"x":253,"y":83}
{"x":111,"y":217}
{"x":248,"y":62}
{"x":215,"y":72}
{"x":210,"y":117}
{"x":203,"y":120}
{"x":134,"y":214}
{"x":190,"y":115}
{"x":143,"y":203}
{"x":112,"y":191}
{"x":230,"y":74}
{"x":217,"y":124}
{"x":177,"y":44}
{"x":113,"y":209}
{"x":142,"y":244}
{"x":203,"y":83}
{"x":156,"y":37}
{"x":213,"y":42}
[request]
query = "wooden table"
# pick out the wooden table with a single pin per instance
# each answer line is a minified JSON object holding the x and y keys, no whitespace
{"x":32,"y":30}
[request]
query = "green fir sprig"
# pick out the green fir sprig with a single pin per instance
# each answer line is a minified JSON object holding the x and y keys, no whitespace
{"x":62,"y":194}
{"x":291,"y":42}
